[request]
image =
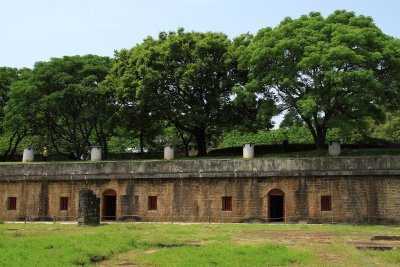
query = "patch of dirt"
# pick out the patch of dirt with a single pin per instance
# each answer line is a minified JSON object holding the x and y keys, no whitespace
{"x":386,"y":237}
{"x":316,"y":240}
{"x":54,"y":229}
{"x":312,"y":241}
{"x":150,"y":251}
{"x":126,"y":263}
{"x":286,"y":237}
{"x":377,"y":247}
{"x":316,"y":237}
{"x":116,"y":262}
{"x":294,"y":238}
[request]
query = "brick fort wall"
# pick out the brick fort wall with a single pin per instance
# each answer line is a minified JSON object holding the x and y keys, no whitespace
{"x":319,"y":190}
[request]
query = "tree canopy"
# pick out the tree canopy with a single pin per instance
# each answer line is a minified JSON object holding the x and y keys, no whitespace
{"x":61,"y":101}
{"x":326,"y":70}
{"x":185,"y":77}
{"x":11,"y":132}
{"x":331,"y":75}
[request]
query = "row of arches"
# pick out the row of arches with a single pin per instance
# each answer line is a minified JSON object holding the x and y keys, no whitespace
{"x":276,"y":205}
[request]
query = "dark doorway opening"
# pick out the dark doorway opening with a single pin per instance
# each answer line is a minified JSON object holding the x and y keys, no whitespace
{"x":109,"y":205}
{"x":276,"y":204}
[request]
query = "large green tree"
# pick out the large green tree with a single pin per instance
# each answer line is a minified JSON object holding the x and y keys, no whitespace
{"x":251,"y":112}
{"x":12,"y":130}
{"x":137,"y":111}
{"x":7,"y":77}
{"x":183,"y":77}
{"x":327,"y":70}
{"x":390,"y":75}
{"x":73,"y":110}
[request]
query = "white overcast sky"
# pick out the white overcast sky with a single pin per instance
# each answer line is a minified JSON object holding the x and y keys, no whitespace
{"x":37,"y":30}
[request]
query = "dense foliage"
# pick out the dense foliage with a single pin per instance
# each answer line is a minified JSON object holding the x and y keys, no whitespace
{"x":61,"y":101}
{"x":18,"y":121}
{"x":329,"y":72}
{"x":331,"y":78}
{"x":184,"y":78}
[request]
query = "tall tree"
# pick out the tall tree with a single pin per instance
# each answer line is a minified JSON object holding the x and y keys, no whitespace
{"x":11,"y":135}
{"x":138,"y":114}
{"x":7,"y":77}
{"x":251,"y":112}
{"x":325,"y":69}
{"x":390,"y":75}
{"x":185,"y":77}
{"x":71,"y":103}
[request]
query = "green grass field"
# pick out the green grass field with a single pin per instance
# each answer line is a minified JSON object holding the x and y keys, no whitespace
{"x":195,"y":245}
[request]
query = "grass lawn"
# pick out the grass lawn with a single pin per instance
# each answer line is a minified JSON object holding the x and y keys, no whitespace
{"x":141,"y":244}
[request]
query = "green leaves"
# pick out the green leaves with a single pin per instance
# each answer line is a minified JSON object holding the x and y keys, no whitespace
{"x":326,"y":73}
{"x":307,"y":106}
{"x":323,"y":68}
{"x":64,"y":99}
{"x":183,"y":77}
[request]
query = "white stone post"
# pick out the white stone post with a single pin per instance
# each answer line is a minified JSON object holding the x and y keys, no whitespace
{"x":95,"y":153}
{"x":334,"y":149}
{"x":28,"y":155}
{"x":248,"y":151}
{"x":168,"y":152}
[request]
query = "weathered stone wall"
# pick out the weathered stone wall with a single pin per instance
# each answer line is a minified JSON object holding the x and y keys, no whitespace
{"x":363,"y":190}
{"x":89,"y":208}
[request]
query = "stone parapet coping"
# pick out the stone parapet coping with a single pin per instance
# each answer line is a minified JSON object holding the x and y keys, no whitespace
{"x":213,"y":168}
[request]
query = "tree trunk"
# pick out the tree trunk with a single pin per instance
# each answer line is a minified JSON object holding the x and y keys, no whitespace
{"x":12,"y":146}
{"x":185,"y":142}
{"x":318,"y":133}
{"x":201,"y":140}
{"x":14,"y":150}
{"x":320,"y":138}
{"x":105,"y":147}
{"x":141,"y":137}
{"x":186,"y":150}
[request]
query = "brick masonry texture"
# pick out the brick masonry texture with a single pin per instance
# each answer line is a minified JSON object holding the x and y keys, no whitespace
{"x":362,"y":189}
{"x":89,"y":208}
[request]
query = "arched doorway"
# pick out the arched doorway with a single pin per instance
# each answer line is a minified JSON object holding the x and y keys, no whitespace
{"x":276,"y":205}
{"x":109,"y":205}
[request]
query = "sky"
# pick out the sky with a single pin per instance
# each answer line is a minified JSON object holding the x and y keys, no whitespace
{"x":38,"y":30}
